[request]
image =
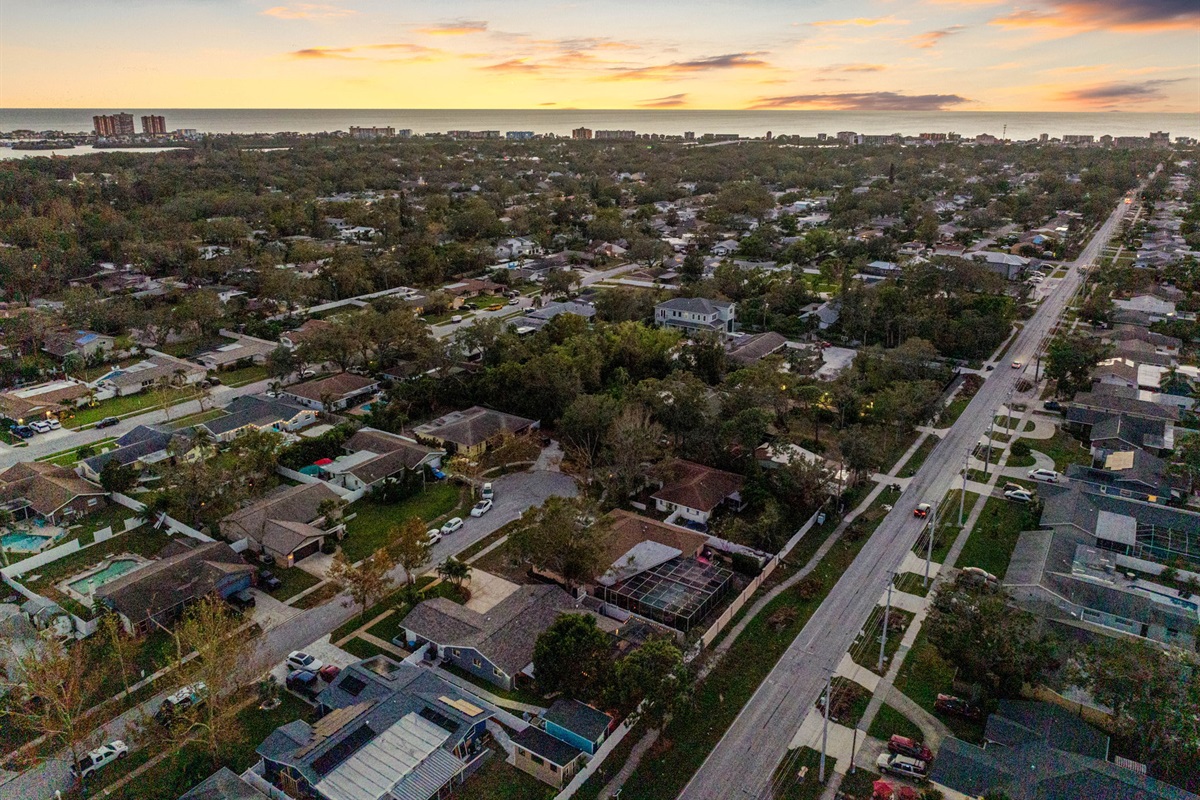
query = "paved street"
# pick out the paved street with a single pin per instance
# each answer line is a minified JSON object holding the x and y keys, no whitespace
{"x":760,"y":734}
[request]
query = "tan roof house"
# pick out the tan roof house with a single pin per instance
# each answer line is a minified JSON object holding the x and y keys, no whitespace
{"x":286,"y":523}
{"x":53,"y":493}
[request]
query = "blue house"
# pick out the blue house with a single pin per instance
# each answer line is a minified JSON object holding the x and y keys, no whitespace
{"x":578,"y":724}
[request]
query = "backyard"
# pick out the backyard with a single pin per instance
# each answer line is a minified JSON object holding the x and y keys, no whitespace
{"x":991,"y":543}
{"x":371,"y":526}
{"x":499,"y":780}
{"x":923,"y":675}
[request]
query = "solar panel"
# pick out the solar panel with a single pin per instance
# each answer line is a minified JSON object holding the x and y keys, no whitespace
{"x":439,"y":719}
{"x":347,"y":747}
{"x":352,"y":685}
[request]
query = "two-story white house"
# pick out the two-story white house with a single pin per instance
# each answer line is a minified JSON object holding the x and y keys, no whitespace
{"x":691,"y":314}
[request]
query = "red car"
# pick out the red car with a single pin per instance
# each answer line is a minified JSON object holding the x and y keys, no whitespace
{"x":922,"y":510}
{"x":909,"y":747}
{"x":949,"y":704}
{"x":329,"y":672}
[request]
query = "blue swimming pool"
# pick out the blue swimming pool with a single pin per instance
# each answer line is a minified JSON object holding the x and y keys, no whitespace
{"x":23,"y":542}
{"x":115,"y":569}
{"x":113,"y":374}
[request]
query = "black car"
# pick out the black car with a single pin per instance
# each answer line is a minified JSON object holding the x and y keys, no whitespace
{"x":266,"y":558}
{"x":1052,"y":405}
{"x":241,"y":600}
{"x":949,"y":704}
{"x":108,"y":422}
{"x":268,"y":581}
{"x":24,"y":431}
{"x":304,"y":683}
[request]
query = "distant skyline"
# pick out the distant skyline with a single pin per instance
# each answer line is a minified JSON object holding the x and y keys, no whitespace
{"x":859,"y":55}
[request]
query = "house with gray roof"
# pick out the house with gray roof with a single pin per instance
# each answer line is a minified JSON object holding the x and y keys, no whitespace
{"x":242,"y":350}
{"x":389,"y":731}
{"x":286,"y":523}
{"x":550,"y":760}
{"x":224,"y":784}
{"x":140,"y":447}
{"x":496,"y":645}
{"x":1038,"y":751}
{"x":696,"y":315}
{"x":375,"y":456}
{"x":253,"y":413}
{"x":151,"y":372}
{"x":1130,"y":473}
{"x":750,"y":349}
{"x":471,"y":431}
{"x":1115,"y":433}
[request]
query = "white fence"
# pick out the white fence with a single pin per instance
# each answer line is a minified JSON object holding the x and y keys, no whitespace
{"x":729,"y":613}
{"x":40,"y":559}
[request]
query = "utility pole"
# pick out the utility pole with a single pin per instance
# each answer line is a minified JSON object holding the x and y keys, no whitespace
{"x":962,"y":497}
{"x":991,"y":429}
{"x":825,"y":726}
{"x":887,"y":608}
{"x":929,"y":551}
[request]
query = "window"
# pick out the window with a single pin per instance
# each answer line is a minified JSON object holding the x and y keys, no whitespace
{"x":496,"y":671}
{"x":478,"y":663}
{"x":553,"y":767}
{"x":457,"y":653}
{"x":537,"y":759}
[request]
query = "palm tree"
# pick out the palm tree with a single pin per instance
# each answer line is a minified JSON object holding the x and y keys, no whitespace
{"x":455,"y":571}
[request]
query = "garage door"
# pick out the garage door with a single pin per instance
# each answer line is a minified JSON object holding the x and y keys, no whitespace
{"x":306,"y":551}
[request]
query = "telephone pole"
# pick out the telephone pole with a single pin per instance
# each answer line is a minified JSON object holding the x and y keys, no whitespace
{"x":887,"y":608}
{"x":825,"y":726}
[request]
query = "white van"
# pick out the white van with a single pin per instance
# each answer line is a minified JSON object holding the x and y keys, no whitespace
{"x":1043,"y":474}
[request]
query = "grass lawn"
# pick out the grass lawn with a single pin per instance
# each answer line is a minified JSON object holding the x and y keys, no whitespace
{"x":364,"y":649}
{"x":390,"y":627}
{"x":912,"y":583}
{"x":144,"y":541}
{"x":897,"y":450}
{"x":947,"y":529}
{"x":518,"y":695}
{"x":317,"y":597}
{"x":691,"y":734}
{"x":1064,"y":449}
{"x":923,"y":676}
{"x":243,"y":376}
{"x":918,"y":458}
{"x":371,"y":526}
{"x":294,"y":580}
{"x":889,"y":721}
{"x":67,"y":458}
{"x":952,"y":412}
{"x":1020,"y":461}
{"x":485,"y":300}
{"x":397,"y":600}
{"x":128,"y":405}
{"x":197,"y":418}
{"x":610,"y":766}
{"x":796,"y":777}
{"x":499,"y":780}
{"x":991,"y":543}
{"x":865,"y":650}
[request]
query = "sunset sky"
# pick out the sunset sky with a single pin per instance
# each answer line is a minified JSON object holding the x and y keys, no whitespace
{"x":968,"y":55}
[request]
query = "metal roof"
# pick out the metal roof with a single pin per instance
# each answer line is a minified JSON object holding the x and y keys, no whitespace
{"x":385,"y":761}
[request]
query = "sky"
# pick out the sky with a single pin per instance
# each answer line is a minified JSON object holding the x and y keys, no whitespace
{"x":863,"y":55}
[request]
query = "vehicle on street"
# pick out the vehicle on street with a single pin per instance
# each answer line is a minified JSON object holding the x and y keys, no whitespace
{"x":922,"y":510}
{"x":1016,"y":365}
{"x":300,"y":660}
{"x":949,"y":704}
{"x":304,"y":683}
{"x":989,"y":368}
{"x":268,"y":581}
{"x":1043,"y":474}
{"x":513,"y":301}
{"x":102,"y":756}
{"x":451,"y":526}
{"x":488,"y":493}
{"x":433,"y":536}
{"x":893,"y":764}
{"x":496,"y":307}
{"x":40,"y":426}
{"x":457,"y":318}
{"x":241,"y":600}
{"x":481,"y":508}
{"x":108,"y":422}
{"x":905,"y":746}
{"x":1019,"y":495}
{"x":308,"y":373}
{"x":186,"y":697}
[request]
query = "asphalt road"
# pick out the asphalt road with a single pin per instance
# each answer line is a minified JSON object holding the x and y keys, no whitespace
{"x":742,"y":764}
{"x":514,"y":494}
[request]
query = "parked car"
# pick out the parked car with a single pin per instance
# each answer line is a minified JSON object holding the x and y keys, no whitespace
{"x":266,"y":558}
{"x":329,"y":672}
{"x":23,"y":431}
{"x":481,"y":508}
{"x":186,"y":697}
{"x":303,"y":682}
{"x":241,"y":600}
{"x":108,"y":422}
{"x":433,"y":536}
{"x":989,"y":368}
{"x":1043,"y":474}
{"x":1052,"y":405}
{"x":922,"y":510}
{"x":488,"y":492}
{"x":893,"y":764}
{"x":496,"y":307}
{"x":514,"y":301}
{"x":268,"y":581}
{"x":1019,"y":495}
{"x":102,"y":756}
{"x":300,"y":660}
{"x":457,"y":318}
{"x":54,"y":424}
{"x":451,"y":526}
{"x":40,"y":426}
{"x":949,"y":704}
{"x":308,"y":373}
{"x":902,"y":745}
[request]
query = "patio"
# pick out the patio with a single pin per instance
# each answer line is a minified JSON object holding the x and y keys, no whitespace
{"x":29,"y":537}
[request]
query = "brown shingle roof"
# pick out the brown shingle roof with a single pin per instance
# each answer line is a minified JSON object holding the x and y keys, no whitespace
{"x":629,"y":529}
{"x":699,"y":487}
{"x":472,"y":426}
{"x":46,"y":487}
{"x":336,"y":386}
{"x":285,"y":504}
{"x":385,"y":443}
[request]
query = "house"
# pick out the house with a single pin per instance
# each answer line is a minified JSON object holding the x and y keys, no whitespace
{"x":470,"y":432}
{"x":750,"y":349}
{"x":43,"y":400}
{"x":473,"y":287}
{"x":390,"y":731}
{"x":333,"y":393}
{"x":1130,"y":473}
{"x":549,"y":759}
{"x":1115,"y":433}
{"x":85,"y":344}
{"x":1039,"y":751}
{"x":694,"y":491}
{"x":883,"y":269}
{"x":696,"y":314}
{"x":496,"y":646}
{"x":148,"y":373}
{"x":1116,"y":372}
{"x":772,"y":455}
{"x":285,"y":523}
{"x":1006,"y":264}
{"x":242,"y":350}
{"x":35,"y":489}
{"x":140,"y":447}
{"x":313,"y":330}
{"x":224,"y":784}
{"x":1147,"y":303}
{"x":375,"y":456}
{"x":1087,"y":408}
{"x":252,"y":413}
{"x":578,"y":723}
{"x":516,"y":247}
{"x":185,"y":572}
{"x":725,"y":248}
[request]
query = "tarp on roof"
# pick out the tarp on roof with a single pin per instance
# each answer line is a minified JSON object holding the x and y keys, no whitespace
{"x":311,"y":469}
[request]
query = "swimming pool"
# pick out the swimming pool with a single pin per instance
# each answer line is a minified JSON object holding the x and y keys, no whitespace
{"x":112,"y":375}
{"x":113,"y":570}
{"x":23,"y":542}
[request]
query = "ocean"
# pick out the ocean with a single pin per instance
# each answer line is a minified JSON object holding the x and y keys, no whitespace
{"x":1014,"y":125}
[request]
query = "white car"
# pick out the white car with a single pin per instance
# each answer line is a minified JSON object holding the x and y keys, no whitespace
{"x":433,"y":536}
{"x":1043,"y":474}
{"x":451,"y":526}
{"x":1016,"y":365}
{"x":481,"y":508}
{"x":1019,"y":495}
{"x":54,"y":424}
{"x":514,"y":301}
{"x":41,"y":426}
{"x":488,"y":493}
{"x":457,"y":318}
{"x":298,"y":659}
{"x":101,"y":756}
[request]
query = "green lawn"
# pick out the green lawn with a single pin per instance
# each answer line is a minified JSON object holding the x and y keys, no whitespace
{"x":865,"y":650}
{"x":858,"y":785}
{"x":1064,"y":449}
{"x":951,"y":413}
{"x":294,"y":580}
{"x":197,"y":418}
{"x":361,"y":648}
{"x":518,"y":695}
{"x":144,"y":541}
{"x":370,"y":529}
{"x":67,"y":458}
{"x":889,"y":721}
{"x":923,"y":676}
{"x":499,"y":780}
{"x":317,"y":597}
{"x":128,"y":405}
{"x":991,"y":543}
{"x":796,"y":777}
{"x":611,"y":765}
{"x":912,"y":583}
{"x":243,"y":376}
{"x":918,"y":458}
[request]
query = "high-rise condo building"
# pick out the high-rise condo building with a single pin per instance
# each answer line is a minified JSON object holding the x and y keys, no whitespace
{"x":154,"y":125}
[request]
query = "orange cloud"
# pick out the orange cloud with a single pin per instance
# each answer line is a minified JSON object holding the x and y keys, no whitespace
{"x":861,"y":101}
{"x":670,"y":101}
{"x":860,"y":22}
{"x":678,"y":69}
{"x":1116,"y":95}
{"x":308,"y":11}
{"x":1110,"y":15}
{"x":517,"y":66}
{"x":929,"y":39}
{"x":409,"y":53}
{"x":462,"y":27}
